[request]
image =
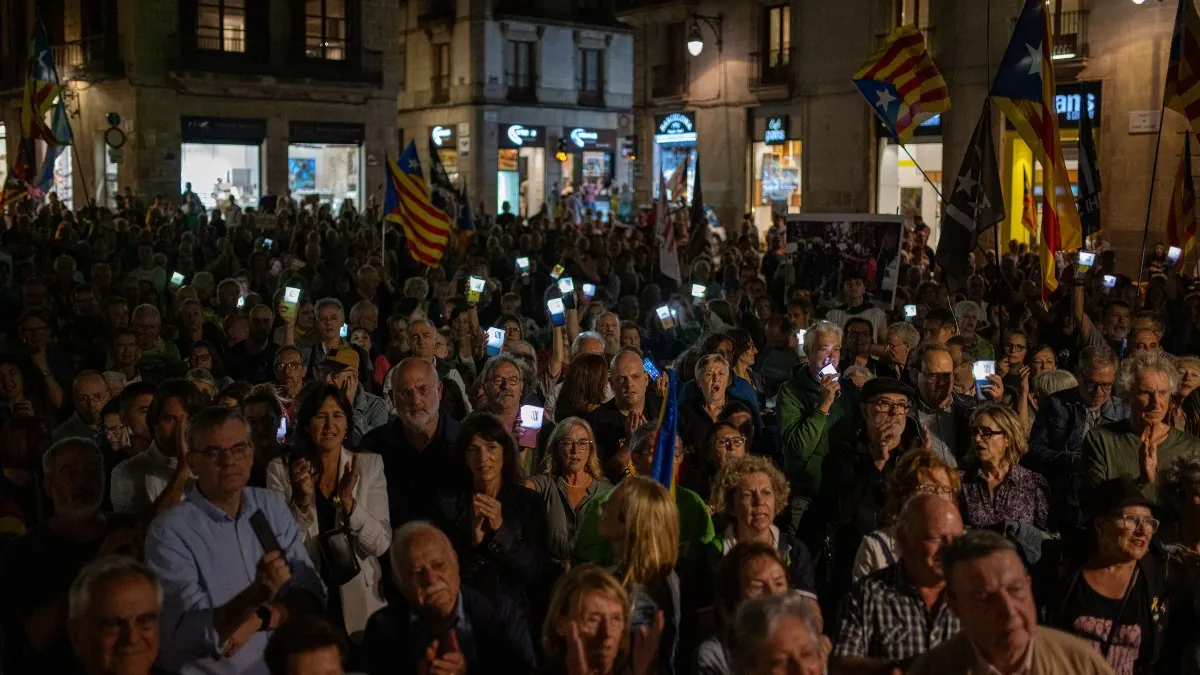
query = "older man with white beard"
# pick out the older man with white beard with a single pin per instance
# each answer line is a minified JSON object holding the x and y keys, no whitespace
{"x":415,"y":446}
{"x":608,"y":325}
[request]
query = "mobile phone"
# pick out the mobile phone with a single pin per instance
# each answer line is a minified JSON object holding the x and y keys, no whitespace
{"x":291,"y":301}
{"x":556,"y":272}
{"x":474,"y":289}
{"x":495,"y":341}
{"x":557,"y":311}
{"x":800,"y":338}
{"x":531,"y":417}
{"x":829,"y":369}
{"x":241,"y":302}
{"x":982,"y":369}
{"x":589,"y":291}
{"x":643,"y":615}
{"x":1173,"y":254}
{"x":698,"y":291}
{"x":1110,"y":281}
{"x":281,"y":432}
{"x":262,"y":530}
{"x":1086,"y":260}
{"x":523,"y":265}
{"x":268,"y":242}
{"x":567,"y":286}
{"x":176,"y":279}
{"x":650,"y":368}
{"x":910,"y":312}
{"x":665,"y":318}
{"x":344,"y":331}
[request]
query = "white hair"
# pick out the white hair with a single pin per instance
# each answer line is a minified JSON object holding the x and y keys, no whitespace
{"x":402,"y":537}
{"x":1133,"y":366}
{"x":820,"y":328}
{"x":907,"y":332}
{"x":62,"y":445}
{"x":104,"y":569}
{"x":147,"y":309}
{"x":577,"y":345}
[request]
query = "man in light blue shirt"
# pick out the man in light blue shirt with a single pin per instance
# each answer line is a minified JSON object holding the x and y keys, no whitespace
{"x":223,"y":593}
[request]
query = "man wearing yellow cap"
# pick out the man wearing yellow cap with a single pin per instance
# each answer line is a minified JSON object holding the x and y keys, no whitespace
{"x":340,"y":368}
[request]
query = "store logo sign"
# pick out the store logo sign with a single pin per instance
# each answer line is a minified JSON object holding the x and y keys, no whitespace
{"x":519,"y":134}
{"x":777,"y":131}
{"x":676,"y":128}
{"x":440,"y":134}
{"x":1068,"y":106}
{"x":581,"y":137}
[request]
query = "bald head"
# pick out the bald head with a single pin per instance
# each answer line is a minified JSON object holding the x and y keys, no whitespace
{"x":925,"y":525}
{"x":417,"y":394}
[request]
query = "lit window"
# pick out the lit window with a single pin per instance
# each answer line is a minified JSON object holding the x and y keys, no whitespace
{"x":221,"y":25}
{"x":325,"y":29}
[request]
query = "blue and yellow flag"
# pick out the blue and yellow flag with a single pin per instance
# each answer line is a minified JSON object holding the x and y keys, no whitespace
{"x":407,"y":203}
{"x":663,"y":468}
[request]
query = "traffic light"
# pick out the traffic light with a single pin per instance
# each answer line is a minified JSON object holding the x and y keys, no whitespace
{"x":561,"y":152}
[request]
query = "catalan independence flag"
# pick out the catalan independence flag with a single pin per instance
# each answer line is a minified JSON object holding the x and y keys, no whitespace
{"x":1028,"y":206}
{"x":1181,"y":219}
{"x":1182,"y":93}
{"x":902,"y":84}
{"x":663,"y":468}
{"x":1024,"y":90}
{"x":42,"y":91}
{"x":407,"y":204}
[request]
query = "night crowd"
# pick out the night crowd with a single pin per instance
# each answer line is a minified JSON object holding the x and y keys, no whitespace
{"x":268,"y":441}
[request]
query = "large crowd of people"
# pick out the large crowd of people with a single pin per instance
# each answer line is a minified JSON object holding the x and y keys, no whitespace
{"x":277,"y":445}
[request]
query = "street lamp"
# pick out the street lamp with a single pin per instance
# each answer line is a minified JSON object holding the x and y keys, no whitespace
{"x":695,"y":39}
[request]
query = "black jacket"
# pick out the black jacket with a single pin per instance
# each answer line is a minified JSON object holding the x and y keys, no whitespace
{"x":507,"y":561}
{"x":497,"y":640}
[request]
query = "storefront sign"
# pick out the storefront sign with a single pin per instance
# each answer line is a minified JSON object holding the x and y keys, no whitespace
{"x":777,"y":131}
{"x":1072,"y":99}
{"x":521,"y":136}
{"x":675,"y":129}
{"x":592,"y":139}
{"x":442,"y":137}
{"x":333,"y":133}
{"x":231,"y":130}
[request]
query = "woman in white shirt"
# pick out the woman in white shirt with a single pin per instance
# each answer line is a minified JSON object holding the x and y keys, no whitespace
{"x":329,"y":487}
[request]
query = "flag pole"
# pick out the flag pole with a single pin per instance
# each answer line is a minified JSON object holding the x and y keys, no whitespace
{"x":1137,"y":301}
{"x":933,"y":185}
{"x":996,"y":229}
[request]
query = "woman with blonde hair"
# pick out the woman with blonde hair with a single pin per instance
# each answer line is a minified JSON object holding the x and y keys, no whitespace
{"x":751,"y":493}
{"x":642,"y":523}
{"x":995,"y":487}
{"x":571,"y":478}
{"x":585,"y":628}
{"x":916,"y":472}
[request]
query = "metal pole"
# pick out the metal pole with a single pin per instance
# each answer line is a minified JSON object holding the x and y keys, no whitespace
{"x":996,"y":228}
{"x":927,"y":179}
{"x":1137,"y":301}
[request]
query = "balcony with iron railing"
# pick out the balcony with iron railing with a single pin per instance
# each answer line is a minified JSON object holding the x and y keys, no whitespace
{"x":1070,"y":35}
{"x":771,"y":68}
{"x":440,"y":87}
{"x":522,"y":87}
{"x":669,"y":80}
{"x":92,"y":58}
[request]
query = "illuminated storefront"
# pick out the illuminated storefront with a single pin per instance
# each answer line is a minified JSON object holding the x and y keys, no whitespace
{"x":775,"y":163}
{"x":675,"y":142}
{"x":902,"y":188}
{"x":222,"y":158}
{"x":589,"y":164}
{"x":1071,"y":100}
{"x":521,"y":168}
{"x":445,"y":140}
{"x":325,"y":162}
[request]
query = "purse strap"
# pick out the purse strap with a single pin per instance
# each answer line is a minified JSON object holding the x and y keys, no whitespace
{"x":1112,"y":631}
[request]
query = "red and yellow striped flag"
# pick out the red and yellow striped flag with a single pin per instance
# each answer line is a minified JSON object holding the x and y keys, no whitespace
{"x":407,"y":204}
{"x":902,"y":84}
{"x":1181,"y":219}
{"x":1182,"y":92}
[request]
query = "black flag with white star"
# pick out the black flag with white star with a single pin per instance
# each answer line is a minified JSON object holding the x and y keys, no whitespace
{"x":976,"y":204}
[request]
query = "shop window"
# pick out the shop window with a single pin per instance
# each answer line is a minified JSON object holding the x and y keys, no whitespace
{"x":62,"y":178}
{"x":221,"y":25}
{"x":221,"y":172}
{"x":326,"y":172}
{"x":518,"y":68}
{"x":325,"y":29}
{"x":591,"y":76}
{"x":3,"y":154}
{"x":777,"y":185}
{"x":441,"y":73}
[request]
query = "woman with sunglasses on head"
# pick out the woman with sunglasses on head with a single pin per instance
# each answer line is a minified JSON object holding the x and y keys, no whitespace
{"x":995,"y":487}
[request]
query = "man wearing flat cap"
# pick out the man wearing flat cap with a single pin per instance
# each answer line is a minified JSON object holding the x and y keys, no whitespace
{"x":854,"y":474}
{"x":341,"y":368}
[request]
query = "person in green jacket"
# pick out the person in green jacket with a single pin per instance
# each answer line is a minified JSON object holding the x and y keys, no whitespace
{"x":695,"y":523}
{"x":159,"y":357}
{"x":810,"y":405}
